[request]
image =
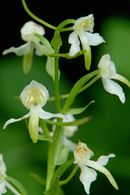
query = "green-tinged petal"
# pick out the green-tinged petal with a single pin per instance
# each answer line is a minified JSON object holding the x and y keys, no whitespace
{"x":13,"y":120}
{"x":34,"y":123}
{"x":19,"y":51}
{"x":114,"y":88}
{"x":48,"y":115}
{"x":103,"y":160}
{"x":75,"y":43}
{"x":103,"y":170}
{"x":87,"y":176}
{"x":122,"y":79}
{"x":94,"y":39}
{"x":27,"y":61}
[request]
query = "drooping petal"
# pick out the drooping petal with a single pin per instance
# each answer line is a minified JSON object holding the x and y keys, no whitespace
{"x":103,"y":170}
{"x":33,"y":126}
{"x":103,"y":160}
{"x":87,"y":176}
{"x":94,"y":39}
{"x":69,"y":131}
{"x":19,"y":51}
{"x":75,"y":43}
{"x":48,"y":115}
{"x":114,"y":88}
{"x":27,"y":61}
{"x":13,"y":120}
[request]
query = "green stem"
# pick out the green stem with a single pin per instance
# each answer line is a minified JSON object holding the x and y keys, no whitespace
{"x":35,"y":17}
{"x":53,"y":152}
{"x":42,"y":21}
{"x":90,"y":83}
{"x":63,"y":182}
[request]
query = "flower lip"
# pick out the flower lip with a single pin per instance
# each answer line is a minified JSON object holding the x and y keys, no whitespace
{"x":29,"y":29}
{"x":34,"y":94}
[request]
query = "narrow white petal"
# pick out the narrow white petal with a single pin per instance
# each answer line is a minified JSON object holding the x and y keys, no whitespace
{"x":113,"y":88}
{"x":94,"y":39}
{"x":103,"y":170}
{"x":75,"y":43}
{"x":13,"y":120}
{"x":48,"y":115}
{"x":87,"y":176}
{"x":11,"y":188}
{"x":103,"y":160}
{"x":19,"y":51}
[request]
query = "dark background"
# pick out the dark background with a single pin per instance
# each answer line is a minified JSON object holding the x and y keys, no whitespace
{"x":109,"y":130}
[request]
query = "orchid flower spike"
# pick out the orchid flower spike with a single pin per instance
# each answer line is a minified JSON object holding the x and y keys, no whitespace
{"x":3,"y":181}
{"x":108,"y":72}
{"x":83,"y":29}
{"x":28,"y":34}
{"x":82,"y":155}
{"x":34,"y":96}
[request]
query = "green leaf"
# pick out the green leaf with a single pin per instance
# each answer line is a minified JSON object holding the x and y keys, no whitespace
{"x":17,"y":185}
{"x":75,"y":111}
{"x":76,"y":89}
{"x":38,"y":178}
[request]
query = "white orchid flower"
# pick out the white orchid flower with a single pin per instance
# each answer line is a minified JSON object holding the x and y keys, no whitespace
{"x":82,"y":155}
{"x":28,"y":33}
{"x":34,"y":96}
{"x":108,"y":72}
{"x":83,"y":29}
{"x":3,"y":182}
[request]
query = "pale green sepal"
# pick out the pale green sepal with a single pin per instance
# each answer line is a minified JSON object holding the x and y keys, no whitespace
{"x":17,"y":185}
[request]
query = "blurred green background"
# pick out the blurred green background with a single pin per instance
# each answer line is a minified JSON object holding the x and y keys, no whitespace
{"x":107,"y":132}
